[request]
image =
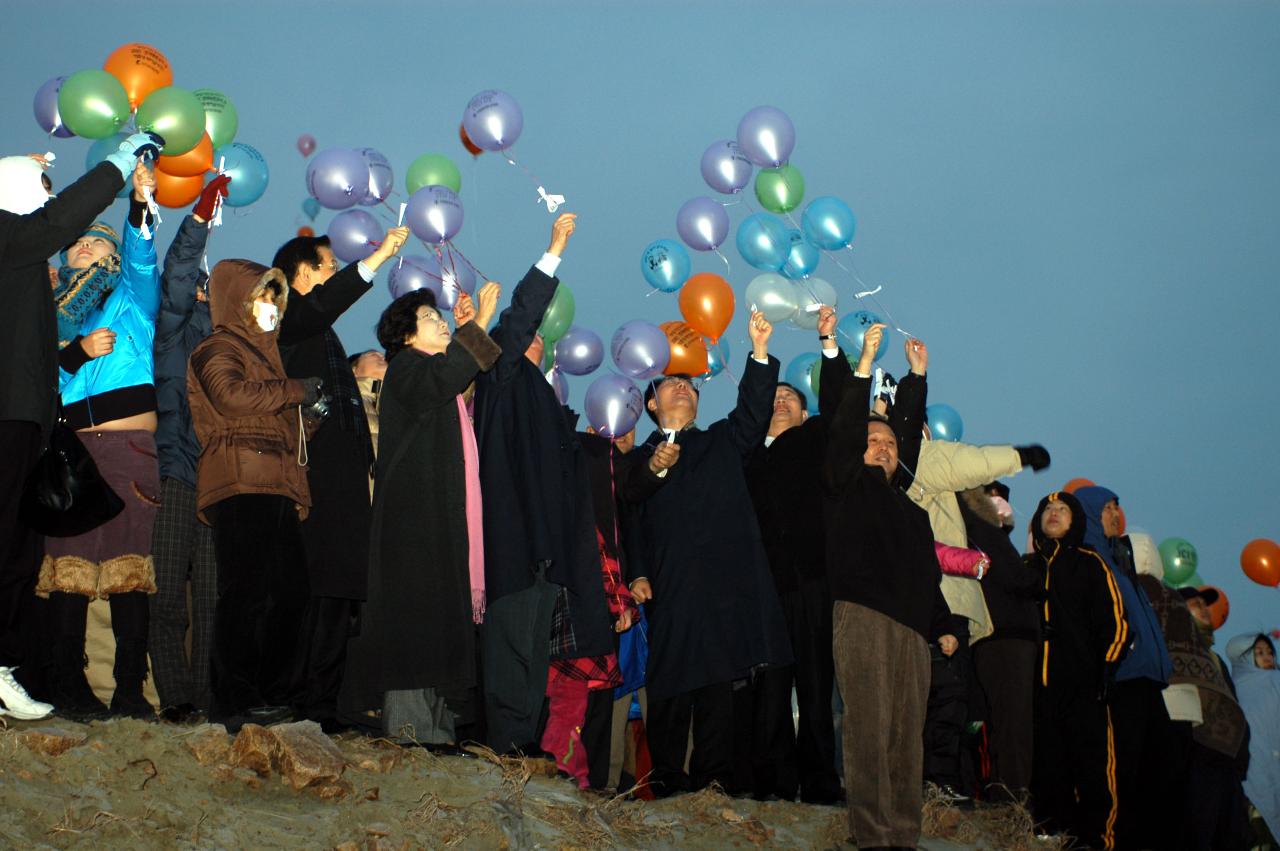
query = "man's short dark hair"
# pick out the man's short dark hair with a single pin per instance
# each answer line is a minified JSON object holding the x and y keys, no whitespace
{"x":652,"y":388}
{"x":297,"y":251}
{"x":804,"y":400}
{"x":999,"y":488}
{"x":400,"y":319}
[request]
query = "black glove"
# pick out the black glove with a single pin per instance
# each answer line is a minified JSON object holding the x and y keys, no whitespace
{"x":313,"y":386}
{"x":1034,"y":456}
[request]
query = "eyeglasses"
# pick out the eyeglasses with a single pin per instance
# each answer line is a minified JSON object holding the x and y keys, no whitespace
{"x":332,"y":266}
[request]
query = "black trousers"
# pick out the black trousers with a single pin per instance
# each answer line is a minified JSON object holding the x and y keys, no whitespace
{"x":517,"y":652}
{"x":1073,"y":784}
{"x":322,"y":657}
{"x":597,"y":736}
{"x":20,"y":547}
{"x":1151,"y":764}
{"x":808,"y":614}
{"x":948,"y":710}
{"x":764,"y":752}
{"x":710,"y":711}
{"x":262,"y":597}
{"x":1216,"y":812}
{"x":1006,"y":670}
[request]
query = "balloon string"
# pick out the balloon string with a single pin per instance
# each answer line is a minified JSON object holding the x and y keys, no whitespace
{"x":537,"y":181}
{"x":467,"y":260}
{"x":724,"y":363}
{"x":867,"y":291}
{"x":727,"y":270}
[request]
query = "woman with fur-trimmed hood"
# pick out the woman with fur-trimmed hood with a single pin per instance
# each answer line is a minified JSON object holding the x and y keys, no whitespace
{"x":251,"y":487}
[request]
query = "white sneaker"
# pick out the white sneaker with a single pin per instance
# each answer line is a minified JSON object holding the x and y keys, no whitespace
{"x":15,"y":701}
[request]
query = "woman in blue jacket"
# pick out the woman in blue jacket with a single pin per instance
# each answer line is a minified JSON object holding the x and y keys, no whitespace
{"x":108,"y":294}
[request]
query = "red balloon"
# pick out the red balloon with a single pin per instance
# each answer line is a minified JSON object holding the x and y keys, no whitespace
{"x":688,"y":349}
{"x":1219,"y":610}
{"x":706,"y":303}
{"x":471,"y":146}
{"x":1075,"y":485}
{"x":306,"y":231}
{"x":1260,"y":560}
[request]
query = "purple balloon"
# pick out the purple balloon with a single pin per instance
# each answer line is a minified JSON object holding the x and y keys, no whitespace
{"x":449,"y":279}
{"x":725,"y":168}
{"x":409,"y":272}
{"x":766,"y":136}
{"x":559,"y":383}
{"x":702,"y":223}
{"x":381,"y":177}
{"x":579,"y":351}
{"x":613,"y":405}
{"x":45,"y":106}
{"x":640,"y":350}
{"x":338,"y":178}
{"x":434,"y":214}
{"x":493,"y":120}
{"x":352,"y":235}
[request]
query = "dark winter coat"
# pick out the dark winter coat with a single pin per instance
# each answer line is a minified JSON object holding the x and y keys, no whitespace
{"x":28,"y":324}
{"x":1011,"y":588}
{"x":1083,"y":629}
{"x":245,"y":411}
{"x":880,"y":550}
{"x":183,"y":322}
{"x":715,"y":614}
{"x":537,"y":497}
{"x":417,"y":630}
{"x":336,"y":534}
{"x":785,"y":480}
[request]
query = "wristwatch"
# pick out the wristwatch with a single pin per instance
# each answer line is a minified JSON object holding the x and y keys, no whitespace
{"x":826,"y":336}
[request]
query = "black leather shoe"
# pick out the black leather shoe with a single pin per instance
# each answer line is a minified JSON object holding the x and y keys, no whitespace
{"x":183,"y":713}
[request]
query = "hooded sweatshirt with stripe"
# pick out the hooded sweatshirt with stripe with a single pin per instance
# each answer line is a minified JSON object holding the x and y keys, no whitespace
{"x":1084,"y":631}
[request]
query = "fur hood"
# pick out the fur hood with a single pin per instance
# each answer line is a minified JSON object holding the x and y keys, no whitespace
{"x":977,"y":501}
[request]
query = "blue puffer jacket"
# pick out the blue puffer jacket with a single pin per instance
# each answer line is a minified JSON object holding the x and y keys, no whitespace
{"x":130,"y":311}
{"x":1148,"y":655}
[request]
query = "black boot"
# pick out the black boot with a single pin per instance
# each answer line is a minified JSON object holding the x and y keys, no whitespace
{"x":69,"y":689}
{"x":129,"y":622}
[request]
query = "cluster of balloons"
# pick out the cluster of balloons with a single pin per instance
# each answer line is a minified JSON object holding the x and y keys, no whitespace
{"x":341,"y":178}
{"x":446,"y":276}
{"x":198,"y":126}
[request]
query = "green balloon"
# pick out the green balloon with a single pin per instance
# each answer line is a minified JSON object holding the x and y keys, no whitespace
{"x":1180,"y":561}
{"x":432,"y":170}
{"x":559,"y":315}
{"x":780,"y":190}
{"x":221,"y":121}
{"x":815,"y":372}
{"x":176,"y":115}
{"x":93,"y":104}
{"x":1193,"y":581}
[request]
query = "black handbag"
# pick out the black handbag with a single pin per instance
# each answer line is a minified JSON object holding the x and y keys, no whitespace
{"x":65,"y":495}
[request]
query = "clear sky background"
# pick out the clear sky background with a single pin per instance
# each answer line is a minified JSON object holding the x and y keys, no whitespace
{"x":1073,"y":203}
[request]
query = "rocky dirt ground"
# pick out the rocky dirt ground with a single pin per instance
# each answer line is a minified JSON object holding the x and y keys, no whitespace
{"x":130,"y":784}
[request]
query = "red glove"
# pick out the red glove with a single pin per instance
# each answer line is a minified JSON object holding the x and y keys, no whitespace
{"x":204,"y":204}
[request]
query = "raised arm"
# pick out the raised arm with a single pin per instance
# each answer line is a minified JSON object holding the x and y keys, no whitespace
{"x":836,"y":371}
{"x":519,"y":322}
{"x":181,"y":276}
{"x":139,"y":276}
{"x":221,"y":374}
{"x":749,"y":419}
{"x":907,"y":417}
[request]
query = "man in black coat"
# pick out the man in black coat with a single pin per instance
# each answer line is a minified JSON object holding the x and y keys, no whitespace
{"x":336,"y":533}
{"x":540,"y":547}
{"x":29,"y":376}
{"x":886,"y":582}
{"x":181,"y":545}
{"x":713,"y":612}
{"x":784,"y":474}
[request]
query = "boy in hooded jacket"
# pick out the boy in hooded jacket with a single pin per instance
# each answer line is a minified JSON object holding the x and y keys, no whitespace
{"x":1084,"y":635}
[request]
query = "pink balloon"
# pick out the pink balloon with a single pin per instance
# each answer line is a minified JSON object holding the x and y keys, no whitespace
{"x":306,"y":144}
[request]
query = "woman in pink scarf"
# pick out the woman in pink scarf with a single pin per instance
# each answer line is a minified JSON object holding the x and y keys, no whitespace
{"x":415,"y":657}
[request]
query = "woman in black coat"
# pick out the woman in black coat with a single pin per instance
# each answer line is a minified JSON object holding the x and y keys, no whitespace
{"x":418,"y":638}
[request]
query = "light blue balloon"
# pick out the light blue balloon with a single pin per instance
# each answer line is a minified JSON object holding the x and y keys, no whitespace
{"x":828,"y":223}
{"x":311,"y":207}
{"x":944,"y":422}
{"x":800,"y":376}
{"x":248,"y":170}
{"x":100,"y":150}
{"x":802,"y":260}
{"x":665,"y":265}
{"x":763,"y":241}
{"x":718,"y":355}
{"x":852,"y":328}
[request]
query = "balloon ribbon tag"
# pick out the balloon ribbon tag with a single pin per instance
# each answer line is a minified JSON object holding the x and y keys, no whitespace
{"x":553,"y":202}
{"x":671,"y":438}
{"x":153,"y":209}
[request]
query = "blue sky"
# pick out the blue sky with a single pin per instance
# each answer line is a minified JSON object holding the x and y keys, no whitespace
{"x":1074,"y":204}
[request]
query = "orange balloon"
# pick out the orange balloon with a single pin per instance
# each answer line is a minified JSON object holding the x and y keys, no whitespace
{"x":1124,"y":521}
{"x":306,"y":231}
{"x":140,"y":68}
{"x":688,"y":349}
{"x":1221,"y":609}
{"x":1075,"y":485}
{"x":706,"y":303}
{"x":174,"y":191}
{"x":196,"y":161}
{"x":1260,"y":559}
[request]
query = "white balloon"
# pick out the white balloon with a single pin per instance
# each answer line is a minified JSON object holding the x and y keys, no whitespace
{"x":811,"y":291}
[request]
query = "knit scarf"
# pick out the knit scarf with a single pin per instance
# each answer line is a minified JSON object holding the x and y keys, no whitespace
{"x":79,"y":291}
{"x":475,"y":519}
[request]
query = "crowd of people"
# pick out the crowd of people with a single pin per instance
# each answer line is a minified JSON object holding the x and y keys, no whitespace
{"x":423,"y":542}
